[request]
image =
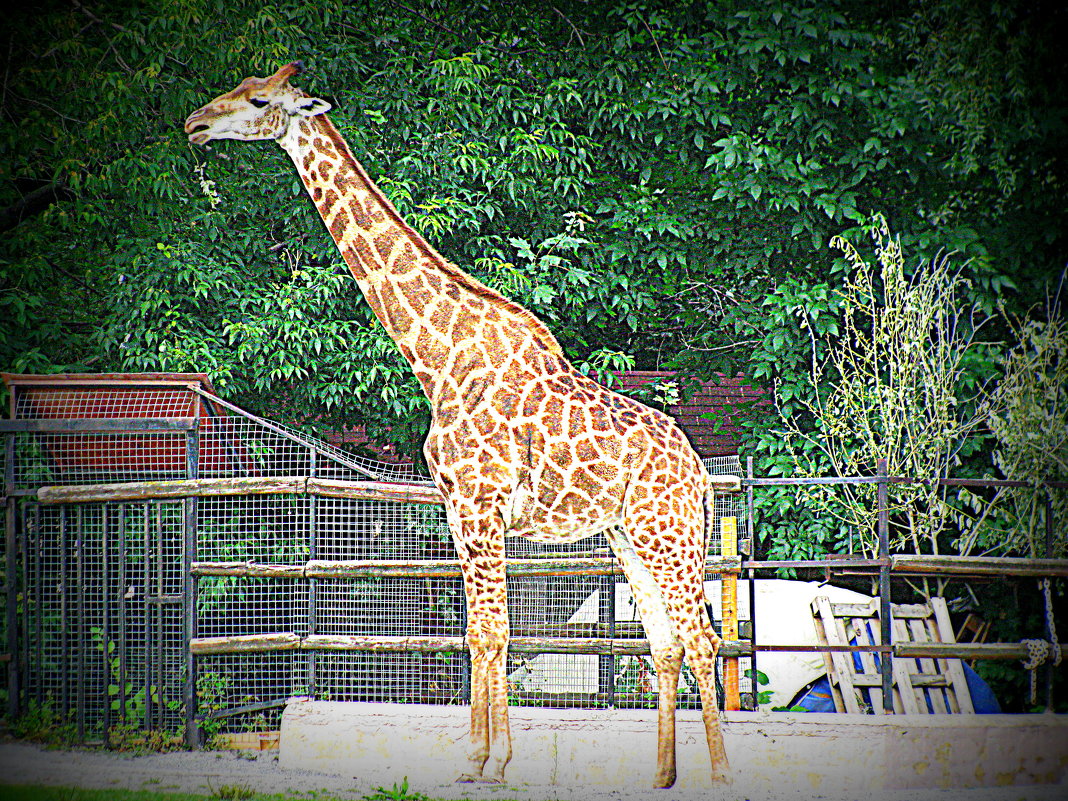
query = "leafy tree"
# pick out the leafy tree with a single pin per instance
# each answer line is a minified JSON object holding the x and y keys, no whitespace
{"x":1028,"y":414}
{"x":899,"y":374}
{"x":651,"y":178}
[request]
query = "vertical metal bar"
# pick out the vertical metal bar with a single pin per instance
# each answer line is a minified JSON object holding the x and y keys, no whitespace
{"x":11,"y":578}
{"x":146,"y":605}
{"x":189,"y":590}
{"x":465,"y":655}
{"x":39,"y":601}
{"x":313,"y":584}
{"x":1047,"y":671}
{"x":29,"y":604}
{"x":105,"y":612}
{"x":606,"y":616}
{"x":749,"y":507}
{"x":158,"y":611}
{"x":123,"y":633}
{"x":80,"y":614}
{"x":885,"y":622}
{"x":64,"y":615}
{"x":752,"y":582}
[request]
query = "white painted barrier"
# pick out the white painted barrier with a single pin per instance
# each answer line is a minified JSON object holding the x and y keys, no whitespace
{"x":384,"y":743}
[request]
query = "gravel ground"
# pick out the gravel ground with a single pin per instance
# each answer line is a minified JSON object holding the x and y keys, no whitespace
{"x":206,"y":771}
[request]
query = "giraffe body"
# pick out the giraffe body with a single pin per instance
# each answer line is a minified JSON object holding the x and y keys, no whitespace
{"x":520,"y":443}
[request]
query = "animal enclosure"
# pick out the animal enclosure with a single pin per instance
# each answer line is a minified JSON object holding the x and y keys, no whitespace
{"x":175,"y":563}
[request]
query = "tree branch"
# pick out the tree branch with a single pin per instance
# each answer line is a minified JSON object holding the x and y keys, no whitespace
{"x":33,"y":203}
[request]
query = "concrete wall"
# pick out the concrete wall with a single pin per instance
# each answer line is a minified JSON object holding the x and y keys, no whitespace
{"x":616,"y":748}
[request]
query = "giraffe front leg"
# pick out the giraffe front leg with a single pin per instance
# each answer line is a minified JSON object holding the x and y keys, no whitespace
{"x":487,"y":635}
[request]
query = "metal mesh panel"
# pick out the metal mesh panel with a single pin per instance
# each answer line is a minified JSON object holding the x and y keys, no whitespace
{"x":255,"y":686}
{"x":102,"y":633}
{"x":57,"y":402}
{"x":420,"y":678}
{"x":103,"y":640}
{"x":91,"y":458}
{"x":256,"y":528}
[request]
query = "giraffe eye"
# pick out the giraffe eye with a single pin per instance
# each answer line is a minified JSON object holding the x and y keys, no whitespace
{"x":257,"y":102}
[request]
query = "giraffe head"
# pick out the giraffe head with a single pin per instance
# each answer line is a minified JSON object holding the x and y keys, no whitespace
{"x":259,"y":108}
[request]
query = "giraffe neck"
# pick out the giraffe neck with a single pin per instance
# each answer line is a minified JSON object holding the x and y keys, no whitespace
{"x":448,"y":325}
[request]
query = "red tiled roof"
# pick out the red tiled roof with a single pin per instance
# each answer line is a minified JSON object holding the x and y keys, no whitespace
{"x":710,"y":416}
{"x":713,"y":435}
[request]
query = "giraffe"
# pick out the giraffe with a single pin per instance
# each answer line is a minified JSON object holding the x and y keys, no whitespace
{"x":520,"y":443}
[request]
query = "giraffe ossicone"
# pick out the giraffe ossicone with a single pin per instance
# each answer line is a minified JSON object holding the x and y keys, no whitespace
{"x":520,"y":443}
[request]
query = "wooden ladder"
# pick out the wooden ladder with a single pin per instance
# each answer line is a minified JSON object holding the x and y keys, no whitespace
{"x":921,"y":686}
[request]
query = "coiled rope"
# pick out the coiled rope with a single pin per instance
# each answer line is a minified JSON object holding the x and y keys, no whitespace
{"x":1041,"y":651}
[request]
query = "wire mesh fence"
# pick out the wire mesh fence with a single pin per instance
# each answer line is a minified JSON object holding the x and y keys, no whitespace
{"x":111,"y":606}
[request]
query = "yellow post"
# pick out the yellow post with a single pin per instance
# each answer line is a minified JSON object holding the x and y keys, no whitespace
{"x":728,"y":528}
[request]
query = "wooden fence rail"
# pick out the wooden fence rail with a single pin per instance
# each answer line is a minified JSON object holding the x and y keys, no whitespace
{"x":595,"y":646}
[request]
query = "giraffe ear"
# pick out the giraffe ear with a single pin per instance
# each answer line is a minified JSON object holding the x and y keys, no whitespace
{"x":310,"y":106}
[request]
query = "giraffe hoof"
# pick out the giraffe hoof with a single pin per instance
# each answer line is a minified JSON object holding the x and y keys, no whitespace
{"x":468,"y":778}
{"x":664,"y":782}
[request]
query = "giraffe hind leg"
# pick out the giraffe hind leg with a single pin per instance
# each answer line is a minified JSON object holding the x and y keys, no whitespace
{"x":667,"y":652}
{"x":685,"y":601}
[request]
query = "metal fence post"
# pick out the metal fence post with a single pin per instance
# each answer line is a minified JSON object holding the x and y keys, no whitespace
{"x":313,"y":584}
{"x":751,"y":531}
{"x":11,"y":577}
{"x":886,"y":664}
{"x":1048,"y":666}
{"x":606,"y":616}
{"x":189,"y":588}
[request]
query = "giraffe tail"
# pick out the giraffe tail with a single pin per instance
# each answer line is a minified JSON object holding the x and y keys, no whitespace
{"x":709,"y":500}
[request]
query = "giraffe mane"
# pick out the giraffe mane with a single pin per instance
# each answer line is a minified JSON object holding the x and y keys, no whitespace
{"x":461,"y":278}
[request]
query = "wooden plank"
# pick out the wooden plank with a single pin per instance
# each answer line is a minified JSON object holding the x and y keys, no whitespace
{"x":941,"y":701}
{"x":867,"y":660}
{"x":866,"y":610}
{"x":249,"y":643}
{"x":910,"y":704}
{"x":376,"y":491}
{"x":834,"y":634}
{"x":729,"y":615}
{"x":978,"y":565}
{"x":162,"y":490}
{"x":828,"y":663}
{"x":952,"y":667}
{"x":247,"y":569}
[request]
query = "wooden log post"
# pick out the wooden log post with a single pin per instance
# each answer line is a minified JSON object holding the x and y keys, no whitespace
{"x":728,"y":527}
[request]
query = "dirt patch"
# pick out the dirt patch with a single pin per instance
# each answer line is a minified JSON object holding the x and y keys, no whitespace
{"x":205,"y":772}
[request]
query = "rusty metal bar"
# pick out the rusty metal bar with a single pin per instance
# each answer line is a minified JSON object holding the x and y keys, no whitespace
{"x":123,"y":425}
{"x":886,"y":664}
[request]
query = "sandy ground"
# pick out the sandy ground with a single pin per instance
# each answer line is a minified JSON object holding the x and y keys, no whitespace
{"x":205,"y":772}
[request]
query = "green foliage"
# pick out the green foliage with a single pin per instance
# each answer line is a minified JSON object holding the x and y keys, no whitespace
{"x":656,"y":180}
{"x":1028,"y":417}
{"x":129,"y":699}
{"x":212,"y":689}
{"x":233,"y":792}
{"x":134,"y":740}
{"x":900,"y":376}
{"x":41,"y":722}
{"x":399,"y":792}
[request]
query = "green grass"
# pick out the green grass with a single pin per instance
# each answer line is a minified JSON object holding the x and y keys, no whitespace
{"x":29,"y":793}
{"x":222,"y":793}
{"x":36,"y":793}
